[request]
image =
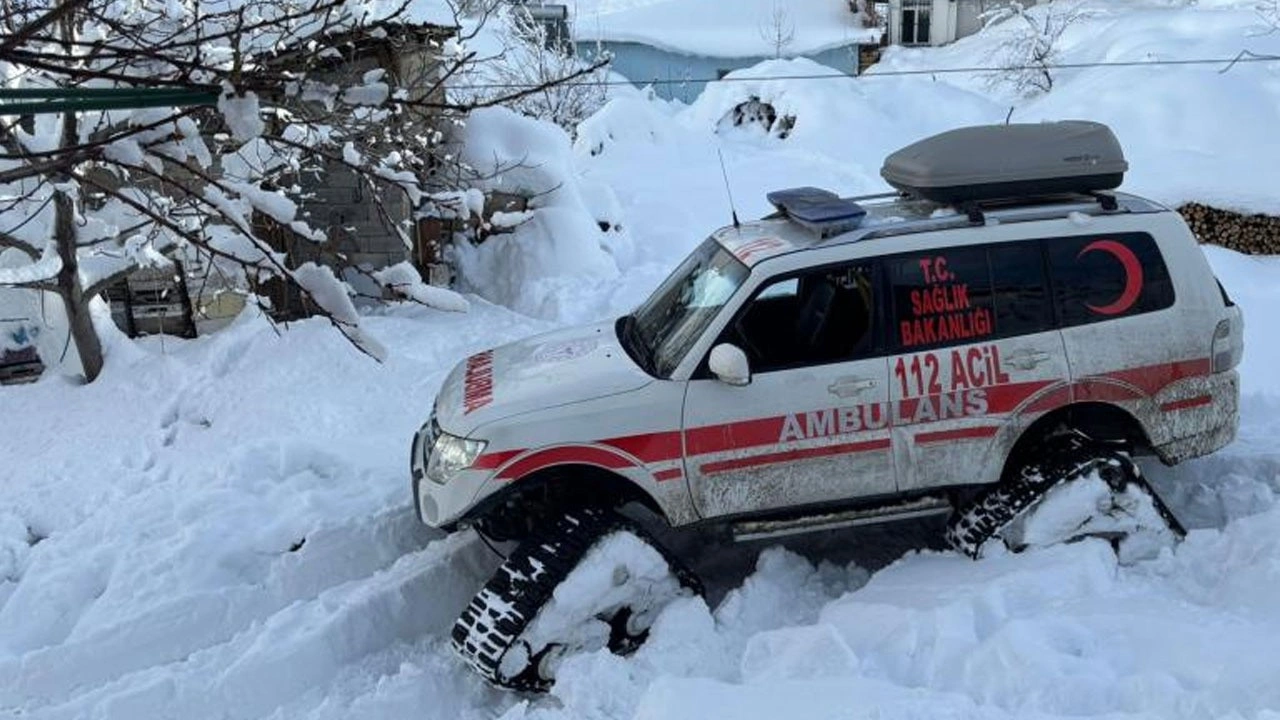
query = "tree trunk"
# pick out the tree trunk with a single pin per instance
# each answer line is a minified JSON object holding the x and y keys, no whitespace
{"x":80,"y":323}
{"x":88,"y":346}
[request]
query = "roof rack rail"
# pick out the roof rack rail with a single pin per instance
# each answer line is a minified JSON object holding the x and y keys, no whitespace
{"x":1013,"y":210}
{"x":976,"y":210}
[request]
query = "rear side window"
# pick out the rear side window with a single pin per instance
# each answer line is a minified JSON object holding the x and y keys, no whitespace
{"x":1099,"y":278}
{"x":968,"y":294}
{"x":1021,"y":294}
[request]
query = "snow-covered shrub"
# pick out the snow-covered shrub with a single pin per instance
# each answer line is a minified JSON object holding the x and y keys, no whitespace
{"x":559,"y":241}
{"x":1029,"y":51}
{"x":637,"y":115}
{"x":762,"y":96}
{"x":754,"y":112}
{"x":523,"y":53}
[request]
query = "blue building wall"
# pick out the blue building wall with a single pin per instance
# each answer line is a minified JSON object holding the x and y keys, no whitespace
{"x":683,"y":77}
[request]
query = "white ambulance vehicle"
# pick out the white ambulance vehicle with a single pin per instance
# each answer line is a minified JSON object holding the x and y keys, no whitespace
{"x":1001,"y":327}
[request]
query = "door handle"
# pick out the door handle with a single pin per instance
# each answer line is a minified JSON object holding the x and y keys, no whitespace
{"x":1027,"y":359}
{"x":850,"y":386}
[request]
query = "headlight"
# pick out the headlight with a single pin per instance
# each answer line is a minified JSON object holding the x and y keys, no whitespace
{"x":450,"y":454}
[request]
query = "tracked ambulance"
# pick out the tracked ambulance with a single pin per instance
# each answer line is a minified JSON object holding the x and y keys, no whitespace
{"x":1001,"y":333}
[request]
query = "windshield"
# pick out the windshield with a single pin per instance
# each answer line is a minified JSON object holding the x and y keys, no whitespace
{"x":678,"y":312}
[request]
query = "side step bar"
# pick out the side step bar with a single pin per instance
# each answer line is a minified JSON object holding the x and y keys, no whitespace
{"x":746,"y":530}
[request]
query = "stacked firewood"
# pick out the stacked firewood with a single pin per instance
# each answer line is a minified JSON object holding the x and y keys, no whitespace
{"x":1254,"y":234}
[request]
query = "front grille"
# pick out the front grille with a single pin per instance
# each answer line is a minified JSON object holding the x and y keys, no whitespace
{"x":423,"y":441}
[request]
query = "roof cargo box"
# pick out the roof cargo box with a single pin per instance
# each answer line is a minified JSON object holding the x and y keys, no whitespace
{"x":990,"y":162}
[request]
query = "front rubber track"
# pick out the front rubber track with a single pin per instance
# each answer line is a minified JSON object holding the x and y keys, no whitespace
{"x":499,"y":613}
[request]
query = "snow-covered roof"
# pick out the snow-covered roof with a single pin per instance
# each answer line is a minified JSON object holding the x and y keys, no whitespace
{"x":428,"y":12}
{"x":715,"y":28}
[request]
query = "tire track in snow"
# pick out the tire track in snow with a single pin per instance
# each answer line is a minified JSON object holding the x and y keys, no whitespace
{"x":300,"y":647}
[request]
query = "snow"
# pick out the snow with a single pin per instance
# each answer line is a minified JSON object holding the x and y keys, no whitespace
{"x":242,"y":113}
{"x":1172,"y":122}
{"x":373,"y":92}
{"x":622,"y":570}
{"x":220,"y":527}
{"x":559,"y":244}
{"x":1089,"y":507}
{"x":43,"y":269}
{"x":332,"y":295}
{"x":404,"y":280}
{"x":704,"y":28}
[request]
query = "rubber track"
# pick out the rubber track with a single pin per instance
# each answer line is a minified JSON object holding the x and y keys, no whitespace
{"x":1067,"y":459}
{"x":499,"y":613}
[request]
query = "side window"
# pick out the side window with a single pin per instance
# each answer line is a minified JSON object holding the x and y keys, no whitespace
{"x":1098,"y":278}
{"x":941,"y":297}
{"x":819,"y":317}
{"x":1022,"y":302}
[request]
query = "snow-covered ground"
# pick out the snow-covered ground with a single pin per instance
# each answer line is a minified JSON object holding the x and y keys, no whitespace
{"x":220,"y":528}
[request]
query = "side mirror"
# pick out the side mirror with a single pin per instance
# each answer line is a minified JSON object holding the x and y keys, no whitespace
{"x":729,"y":364}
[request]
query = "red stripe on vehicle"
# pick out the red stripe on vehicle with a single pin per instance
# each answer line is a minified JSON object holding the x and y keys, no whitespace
{"x":789,"y":455}
{"x":1152,"y":378}
{"x":1104,"y":390}
{"x":1051,"y":400}
{"x":569,"y":455}
{"x":1187,"y":404}
{"x":672,"y":474}
{"x":974,"y":433}
{"x":494,"y":460}
{"x":650,"y":447}
{"x":1002,"y":399}
{"x":734,"y":435}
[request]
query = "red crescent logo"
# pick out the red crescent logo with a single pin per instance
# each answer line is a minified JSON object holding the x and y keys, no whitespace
{"x":1132,"y":276}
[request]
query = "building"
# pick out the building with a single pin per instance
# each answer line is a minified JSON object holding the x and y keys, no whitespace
{"x":938,"y":22}
{"x":680,"y":45}
{"x":369,"y":233}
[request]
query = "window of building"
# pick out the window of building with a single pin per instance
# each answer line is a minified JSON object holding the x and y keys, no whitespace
{"x":915,"y":22}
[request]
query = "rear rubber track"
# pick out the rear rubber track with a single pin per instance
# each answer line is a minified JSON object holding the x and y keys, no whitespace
{"x":1064,"y":459}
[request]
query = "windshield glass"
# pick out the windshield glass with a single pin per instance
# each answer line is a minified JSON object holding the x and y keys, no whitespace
{"x":678,"y":312}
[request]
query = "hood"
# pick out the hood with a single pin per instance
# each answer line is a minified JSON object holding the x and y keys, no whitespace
{"x":558,"y":368}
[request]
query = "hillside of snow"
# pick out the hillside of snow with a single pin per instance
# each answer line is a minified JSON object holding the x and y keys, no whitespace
{"x":220,"y":528}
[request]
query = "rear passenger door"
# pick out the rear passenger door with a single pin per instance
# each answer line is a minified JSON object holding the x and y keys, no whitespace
{"x":973,"y":346}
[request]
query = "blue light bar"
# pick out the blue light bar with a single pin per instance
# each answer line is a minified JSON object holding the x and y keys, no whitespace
{"x":818,"y":210}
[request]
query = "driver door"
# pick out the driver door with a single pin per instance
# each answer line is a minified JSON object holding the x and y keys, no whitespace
{"x":812,"y":426}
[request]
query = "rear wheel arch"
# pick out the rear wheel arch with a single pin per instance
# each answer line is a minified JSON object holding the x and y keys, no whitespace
{"x":1100,"y":421}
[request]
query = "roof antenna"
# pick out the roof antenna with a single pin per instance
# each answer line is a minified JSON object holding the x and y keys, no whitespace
{"x":728,"y":191}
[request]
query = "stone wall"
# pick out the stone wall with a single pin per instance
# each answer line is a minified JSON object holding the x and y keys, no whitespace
{"x":1253,"y":234}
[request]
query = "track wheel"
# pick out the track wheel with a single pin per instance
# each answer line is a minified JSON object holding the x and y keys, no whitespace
{"x":589,"y":579}
{"x":1074,"y":488}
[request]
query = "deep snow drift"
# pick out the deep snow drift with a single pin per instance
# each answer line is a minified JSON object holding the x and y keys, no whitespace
{"x":220,"y":528}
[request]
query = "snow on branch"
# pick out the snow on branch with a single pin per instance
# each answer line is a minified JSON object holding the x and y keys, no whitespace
{"x":1031,"y":43}
{"x":43,"y":270}
{"x":403,"y":280}
{"x":330,"y":293}
{"x":311,"y":95}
